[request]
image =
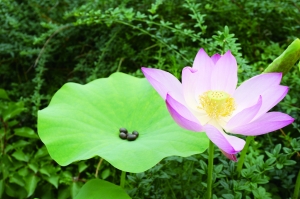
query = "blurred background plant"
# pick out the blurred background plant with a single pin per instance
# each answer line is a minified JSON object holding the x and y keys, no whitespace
{"x":44,"y":44}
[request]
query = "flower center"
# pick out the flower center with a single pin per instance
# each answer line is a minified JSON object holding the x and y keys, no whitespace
{"x":216,"y":104}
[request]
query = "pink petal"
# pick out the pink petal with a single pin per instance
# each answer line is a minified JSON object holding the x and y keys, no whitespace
{"x":215,"y":58}
{"x":194,"y":83}
{"x":248,"y":92}
{"x":182,"y":116}
{"x":204,"y":65}
{"x":245,"y":116}
{"x":227,"y":143}
{"x":229,"y":156}
{"x":164,"y":82}
{"x":190,"y":82}
{"x":268,"y":122}
{"x":272,"y":97}
{"x":203,"y":62}
{"x":224,"y":75}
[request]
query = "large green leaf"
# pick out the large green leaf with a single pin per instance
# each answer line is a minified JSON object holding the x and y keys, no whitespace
{"x":83,"y":121}
{"x":98,"y":189}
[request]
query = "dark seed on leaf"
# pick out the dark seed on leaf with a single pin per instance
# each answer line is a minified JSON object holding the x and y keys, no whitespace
{"x":131,"y":137}
{"x":123,"y":135}
{"x":123,"y":130}
{"x":135,"y":133}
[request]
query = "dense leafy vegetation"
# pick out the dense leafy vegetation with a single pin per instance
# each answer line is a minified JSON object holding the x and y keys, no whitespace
{"x":44,"y":44}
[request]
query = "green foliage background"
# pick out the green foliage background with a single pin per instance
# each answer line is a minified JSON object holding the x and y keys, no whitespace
{"x":44,"y":44}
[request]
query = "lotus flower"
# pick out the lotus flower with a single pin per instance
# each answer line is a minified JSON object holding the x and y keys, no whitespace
{"x":209,"y":101}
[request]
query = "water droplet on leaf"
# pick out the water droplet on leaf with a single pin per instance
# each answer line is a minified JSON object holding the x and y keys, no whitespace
{"x":123,"y":135}
{"x":131,"y":137}
{"x":135,"y":133}
{"x":124,"y":130}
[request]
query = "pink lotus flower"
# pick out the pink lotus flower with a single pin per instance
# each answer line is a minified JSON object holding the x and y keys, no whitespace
{"x":208,"y":101}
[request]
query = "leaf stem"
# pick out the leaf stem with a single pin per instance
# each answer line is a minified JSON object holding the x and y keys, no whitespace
{"x":98,"y":167}
{"x":210,"y":169}
{"x":122,"y":180}
{"x":297,"y":187}
{"x":243,"y":155}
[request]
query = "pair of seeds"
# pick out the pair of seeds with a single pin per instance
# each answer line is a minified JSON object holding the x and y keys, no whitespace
{"x":129,"y":136}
